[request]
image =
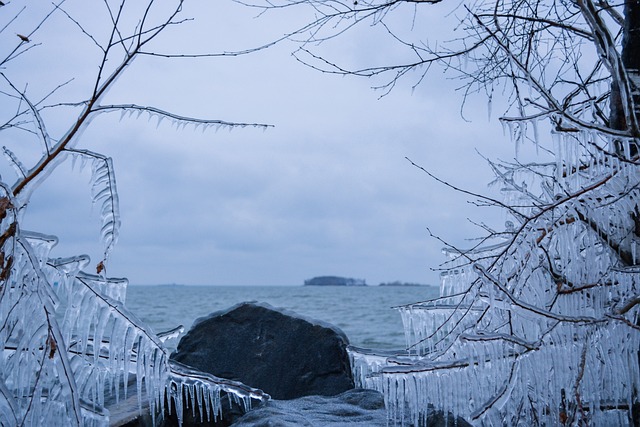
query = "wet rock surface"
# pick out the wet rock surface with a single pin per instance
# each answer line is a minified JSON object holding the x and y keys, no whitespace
{"x":353,"y":408}
{"x":357,"y":407}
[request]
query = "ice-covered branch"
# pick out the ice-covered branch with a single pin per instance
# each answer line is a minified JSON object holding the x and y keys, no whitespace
{"x":607,"y":48}
{"x":554,"y":107}
{"x":628,"y":305}
{"x":529,"y":345}
{"x":533,"y":321}
{"x":177,"y":120}
{"x":532,"y":308}
{"x":467,"y":192}
{"x":104,"y":191}
{"x":66,"y":336}
{"x":501,"y":395}
{"x":42,"y":129}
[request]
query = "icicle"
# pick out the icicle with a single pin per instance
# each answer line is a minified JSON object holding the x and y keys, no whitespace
{"x":518,"y":138}
{"x":17,"y":165}
{"x":536,"y":137}
{"x":160,"y":119}
{"x":557,"y":144}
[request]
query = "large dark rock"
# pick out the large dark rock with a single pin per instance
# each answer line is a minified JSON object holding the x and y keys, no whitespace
{"x":279,"y":352}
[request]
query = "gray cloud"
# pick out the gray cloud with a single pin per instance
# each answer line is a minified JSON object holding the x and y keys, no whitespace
{"x":327,"y":191}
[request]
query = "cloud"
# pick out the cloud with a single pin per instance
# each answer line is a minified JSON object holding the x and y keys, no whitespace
{"x":326,"y":191}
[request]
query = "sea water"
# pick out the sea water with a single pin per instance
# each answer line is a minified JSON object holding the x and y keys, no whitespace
{"x":364,"y":313}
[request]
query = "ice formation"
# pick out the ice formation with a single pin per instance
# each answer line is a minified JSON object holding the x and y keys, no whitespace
{"x":539,"y":325}
{"x":68,"y":340}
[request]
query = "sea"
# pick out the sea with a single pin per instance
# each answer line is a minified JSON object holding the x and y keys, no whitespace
{"x":365,"y":313}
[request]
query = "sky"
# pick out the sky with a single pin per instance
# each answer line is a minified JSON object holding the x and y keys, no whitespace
{"x":327,"y":190}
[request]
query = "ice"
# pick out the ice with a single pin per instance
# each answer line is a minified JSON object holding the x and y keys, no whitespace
{"x":67,"y":338}
{"x":81,"y":342}
{"x":171,"y":334}
{"x":17,"y":165}
{"x":533,"y":320}
{"x":366,"y":364}
{"x":104,"y":192}
{"x":182,"y":377}
{"x":540,"y":319}
{"x":536,"y":135}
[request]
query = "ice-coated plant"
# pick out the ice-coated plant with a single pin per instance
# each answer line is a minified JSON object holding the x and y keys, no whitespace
{"x":67,"y":341}
{"x":537,"y":323}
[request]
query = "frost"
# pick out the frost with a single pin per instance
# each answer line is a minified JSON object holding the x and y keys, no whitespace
{"x":540,"y":319}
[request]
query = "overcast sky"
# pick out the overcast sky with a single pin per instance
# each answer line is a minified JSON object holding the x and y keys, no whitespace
{"x":326,"y":191}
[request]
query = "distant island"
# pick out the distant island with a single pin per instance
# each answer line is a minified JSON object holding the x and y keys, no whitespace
{"x":334,"y":281}
{"x":398,"y":283}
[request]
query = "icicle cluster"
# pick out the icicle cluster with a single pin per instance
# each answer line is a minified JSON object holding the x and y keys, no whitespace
{"x":69,"y":347}
{"x":539,"y":328}
{"x":176,"y":121}
{"x":68,"y":341}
